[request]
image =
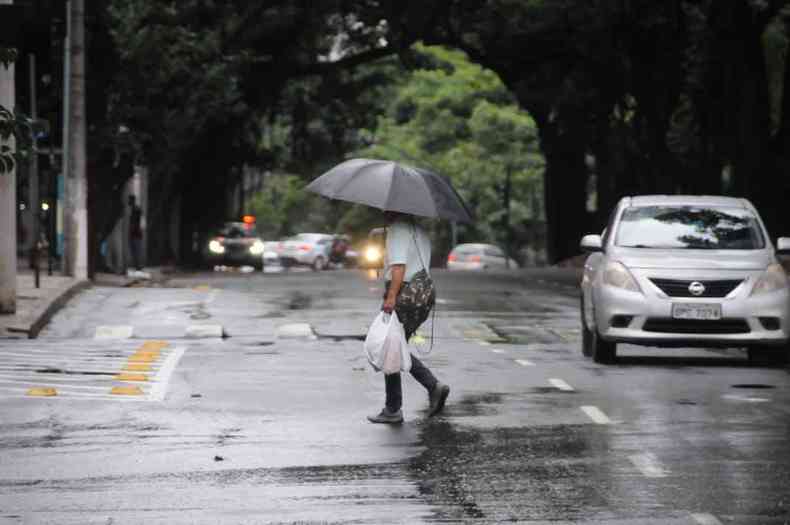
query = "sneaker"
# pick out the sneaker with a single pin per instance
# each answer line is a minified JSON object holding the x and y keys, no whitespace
{"x":437,"y":398}
{"x":385,"y":416}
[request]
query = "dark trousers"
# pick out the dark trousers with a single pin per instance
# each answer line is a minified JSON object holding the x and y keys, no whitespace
{"x":136,"y":252}
{"x":394,"y":390}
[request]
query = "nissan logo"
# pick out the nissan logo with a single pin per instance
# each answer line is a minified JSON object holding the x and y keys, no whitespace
{"x":696,"y":288}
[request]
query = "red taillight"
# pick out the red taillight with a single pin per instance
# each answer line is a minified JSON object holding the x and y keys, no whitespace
{"x":474,"y":258}
{"x":452,"y":258}
{"x":305,"y":247}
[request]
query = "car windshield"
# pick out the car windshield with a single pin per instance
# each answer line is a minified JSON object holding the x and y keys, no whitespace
{"x":237,"y":230}
{"x":689,"y":227}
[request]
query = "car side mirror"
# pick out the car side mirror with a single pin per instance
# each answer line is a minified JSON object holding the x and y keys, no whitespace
{"x":591,"y":244}
{"x":783,"y":246}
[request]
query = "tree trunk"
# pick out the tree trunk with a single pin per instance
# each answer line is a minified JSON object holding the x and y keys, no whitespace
{"x":565,"y":183}
{"x":76,"y":218}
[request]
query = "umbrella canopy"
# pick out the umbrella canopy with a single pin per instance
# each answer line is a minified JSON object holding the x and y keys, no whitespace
{"x":391,"y":186}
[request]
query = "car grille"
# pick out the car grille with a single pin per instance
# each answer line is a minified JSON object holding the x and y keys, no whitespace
{"x":693,"y":326}
{"x":680,"y":288}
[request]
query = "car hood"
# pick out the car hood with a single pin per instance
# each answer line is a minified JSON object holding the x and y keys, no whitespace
{"x":693,"y":259}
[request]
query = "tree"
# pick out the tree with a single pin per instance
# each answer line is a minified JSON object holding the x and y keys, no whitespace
{"x":458,"y":119}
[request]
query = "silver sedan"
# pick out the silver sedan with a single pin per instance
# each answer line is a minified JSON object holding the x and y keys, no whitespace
{"x":685,"y":271}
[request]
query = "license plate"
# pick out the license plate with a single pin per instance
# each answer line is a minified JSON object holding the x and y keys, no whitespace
{"x":705,"y":312}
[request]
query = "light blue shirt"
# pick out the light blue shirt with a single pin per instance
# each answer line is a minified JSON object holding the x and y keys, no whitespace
{"x":403,"y":240}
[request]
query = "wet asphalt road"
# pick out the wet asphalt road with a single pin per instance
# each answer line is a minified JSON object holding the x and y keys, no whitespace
{"x":267,"y":425}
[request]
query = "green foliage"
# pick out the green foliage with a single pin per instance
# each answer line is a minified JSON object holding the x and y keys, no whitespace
{"x":459,"y":120}
{"x":284,"y":208}
{"x":15,"y":129}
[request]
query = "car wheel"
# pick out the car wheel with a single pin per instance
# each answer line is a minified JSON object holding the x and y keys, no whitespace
{"x":258,"y":266}
{"x":319,"y":264}
{"x":768,"y":356}
{"x":587,"y":335}
{"x":604,"y":352}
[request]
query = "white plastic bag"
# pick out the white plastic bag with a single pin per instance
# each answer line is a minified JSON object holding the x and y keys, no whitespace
{"x":385,"y":345}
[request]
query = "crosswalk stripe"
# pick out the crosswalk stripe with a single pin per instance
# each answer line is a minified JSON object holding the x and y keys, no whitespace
{"x":113,"y":332}
{"x":139,"y":371}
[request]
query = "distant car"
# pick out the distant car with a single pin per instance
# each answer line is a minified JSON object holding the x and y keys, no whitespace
{"x":271,"y":253}
{"x":236,"y":243}
{"x":685,"y":271}
{"x":307,"y":249}
{"x":475,"y":256}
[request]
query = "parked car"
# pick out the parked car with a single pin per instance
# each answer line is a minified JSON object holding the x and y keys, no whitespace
{"x":685,"y":271}
{"x":236,"y":243}
{"x":307,"y":249}
{"x":475,"y":256}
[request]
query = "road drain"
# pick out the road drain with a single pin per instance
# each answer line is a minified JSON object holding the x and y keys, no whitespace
{"x":755,"y":386}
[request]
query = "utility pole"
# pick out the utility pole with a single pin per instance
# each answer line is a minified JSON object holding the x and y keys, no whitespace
{"x":33,"y":201}
{"x":76,"y":216}
{"x":8,"y":204}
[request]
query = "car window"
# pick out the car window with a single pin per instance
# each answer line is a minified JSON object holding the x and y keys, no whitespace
{"x":238,"y":230}
{"x":467,"y":249}
{"x":690,"y":227}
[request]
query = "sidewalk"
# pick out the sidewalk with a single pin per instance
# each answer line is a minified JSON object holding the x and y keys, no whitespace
{"x":36,"y":306}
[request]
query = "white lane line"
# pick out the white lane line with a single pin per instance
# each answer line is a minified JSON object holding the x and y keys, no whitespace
{"x":596,"y":415}
{"x":113,"y":332}
{"x":484,"y":343}
{"x":649,"y":465}
{"x":745,"y":399}
{"x":560,"y":385}
{"x":58,"y":387}
{"x":162,"y":378}
{"x":525,"y":362}
{"x":497,"y":351}
{"x":37,"y":378}
{"x":706,"y":519}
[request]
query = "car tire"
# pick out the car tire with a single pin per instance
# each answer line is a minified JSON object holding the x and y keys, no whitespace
{"x":319,"y":264}
{"x":587,"y":335}
{"x":759,"y":356}
{"x":603,"y":352}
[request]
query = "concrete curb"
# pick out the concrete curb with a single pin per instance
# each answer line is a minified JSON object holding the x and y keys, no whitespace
{"x":33,"y":324}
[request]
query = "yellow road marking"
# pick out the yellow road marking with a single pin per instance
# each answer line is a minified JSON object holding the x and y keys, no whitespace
{"x":131,"y":377}
{"x":42,"y":392}
{"x":126,"y":391}
{"x":153,"y":346}
{"x":143,"y":358}
{"x":137,"y":367}
{"x":202,"y":288}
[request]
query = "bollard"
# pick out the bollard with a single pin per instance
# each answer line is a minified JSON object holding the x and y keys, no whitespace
{"x":34,"y":256}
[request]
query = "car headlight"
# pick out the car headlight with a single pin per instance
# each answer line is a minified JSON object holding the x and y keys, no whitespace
{"x":372,"y":254}
{"x":256,"y":248}
{"x":774,"y":278}
{"x":216,"y":247}
{"x":617,"y":275}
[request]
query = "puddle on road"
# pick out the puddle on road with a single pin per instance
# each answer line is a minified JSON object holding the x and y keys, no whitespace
{"x":503,"y":474}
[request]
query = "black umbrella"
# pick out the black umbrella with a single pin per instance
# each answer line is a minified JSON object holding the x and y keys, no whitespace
{"x":391,"y":186}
